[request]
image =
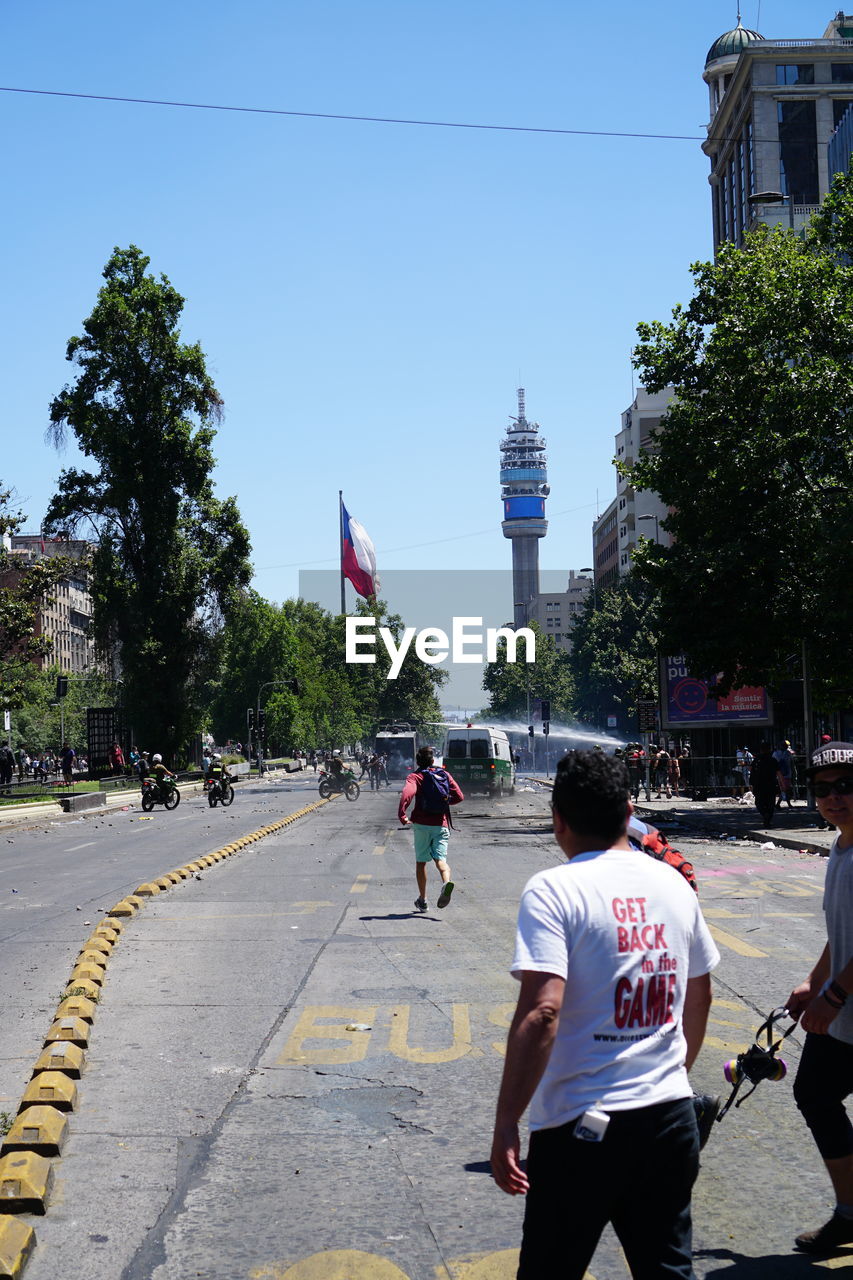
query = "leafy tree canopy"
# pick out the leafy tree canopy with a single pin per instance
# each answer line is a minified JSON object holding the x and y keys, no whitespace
{"x":265,"y":647}
{"x":23,"y":588}
{"x":755,"y":457}
{"x":169,"y":555}
{"x":36,"y":724}
{"x":614,"y":652}
{"x":511,"y":685}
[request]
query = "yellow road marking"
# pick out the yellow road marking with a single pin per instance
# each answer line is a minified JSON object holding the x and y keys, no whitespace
{"x":736,"y":944}
{"x":380,"y":848}
{"x":354,"y":1264}
{"x":360,"y":884}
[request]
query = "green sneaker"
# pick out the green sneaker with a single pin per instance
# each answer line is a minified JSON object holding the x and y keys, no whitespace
{"x":444,"y":896}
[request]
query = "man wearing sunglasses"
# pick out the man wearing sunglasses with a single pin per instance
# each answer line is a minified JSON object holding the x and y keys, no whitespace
{"x":824,"y":1004}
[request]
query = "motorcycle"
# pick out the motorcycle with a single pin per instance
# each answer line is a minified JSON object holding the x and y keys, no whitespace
{"x":219,"y":791}
{"x":165,"y":793}
{"x":345,"y":782}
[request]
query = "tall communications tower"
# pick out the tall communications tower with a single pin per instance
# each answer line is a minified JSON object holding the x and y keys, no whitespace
{"x":524,"y":481}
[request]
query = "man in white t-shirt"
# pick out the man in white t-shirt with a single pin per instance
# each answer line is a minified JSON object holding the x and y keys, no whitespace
{"x":614,"y":962}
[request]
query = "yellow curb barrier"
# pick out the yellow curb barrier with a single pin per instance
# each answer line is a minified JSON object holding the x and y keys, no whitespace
{"x":17,"y":1241}
{"x":125,"y":908}
{"x":26,"y":1173}
{"x":61,"y":1056}
{"x":108,"y":934}
{"x":73,"y":1029}
{"x":76,"y":1007}
{"x":98,"y":944}
{"x":87,"y":973}
{"x":85,"y":987}
{"x":51,"y":1089}
{"x":25,"y":1181}
{"x":39,"y":1129}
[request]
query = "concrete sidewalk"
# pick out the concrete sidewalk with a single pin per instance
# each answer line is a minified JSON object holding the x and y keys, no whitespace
{"x":722,"y":816}
{"x":794,"y":828}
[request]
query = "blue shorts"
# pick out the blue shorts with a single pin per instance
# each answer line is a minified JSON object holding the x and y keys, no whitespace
{"x":430,"y":842}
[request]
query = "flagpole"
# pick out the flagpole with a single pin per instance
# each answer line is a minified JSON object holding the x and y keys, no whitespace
{"x":341,"y":548}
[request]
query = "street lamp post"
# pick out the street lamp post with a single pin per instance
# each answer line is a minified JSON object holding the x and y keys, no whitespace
{"x":773,"y":197}
{"x":650,"y":517}
{"x":266,"y":685}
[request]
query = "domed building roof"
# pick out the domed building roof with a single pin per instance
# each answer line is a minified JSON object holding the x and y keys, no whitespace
{"x":731,"y":43}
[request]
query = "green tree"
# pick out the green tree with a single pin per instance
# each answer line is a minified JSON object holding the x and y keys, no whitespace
{"x":512,"y":685}
{"x":755,"y":457}
{"x":37,"y":722}
{"x":266,"y":647}
{"x":24,"y":586}
{"x":169,"y":556}
{"x":614,"y":652}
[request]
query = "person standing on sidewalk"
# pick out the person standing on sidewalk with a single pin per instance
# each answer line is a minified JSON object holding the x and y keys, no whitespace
{"x":433,"y":791}
{"x":764,"y":780}
{"x":614,"y":962}
{"x":824,"y":1004}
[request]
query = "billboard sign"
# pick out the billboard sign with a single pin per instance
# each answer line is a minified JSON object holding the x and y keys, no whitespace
{"x":689,"y":701}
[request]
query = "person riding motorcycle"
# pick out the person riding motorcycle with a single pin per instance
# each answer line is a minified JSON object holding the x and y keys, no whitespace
{"x":336,"y":769}
{"x":217,"y":771}
{"x":160,"y":773}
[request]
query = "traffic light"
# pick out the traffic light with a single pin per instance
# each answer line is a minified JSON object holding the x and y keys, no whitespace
{"x":530,"y":730}
{"x":294,"y":687}
{"x":262,"y":720}
{"x":61,"y":686}
{"x":546,"y":727}
{"x":250,"y":716}
{"x":545,"y":705}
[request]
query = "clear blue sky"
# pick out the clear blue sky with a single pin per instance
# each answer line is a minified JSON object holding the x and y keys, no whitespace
{"x":369,"y":296}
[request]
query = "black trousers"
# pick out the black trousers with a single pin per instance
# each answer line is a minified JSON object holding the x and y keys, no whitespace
{"x":824,"y":1080}
{"x":639,"y":1178}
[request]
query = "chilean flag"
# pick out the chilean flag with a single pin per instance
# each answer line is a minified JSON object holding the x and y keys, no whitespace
{"x":358,"y":557}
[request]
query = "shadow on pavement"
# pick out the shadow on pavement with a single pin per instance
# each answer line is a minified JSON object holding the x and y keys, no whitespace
{"x":772,"y":1266}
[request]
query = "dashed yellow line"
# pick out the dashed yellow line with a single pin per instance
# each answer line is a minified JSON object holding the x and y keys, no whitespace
{"x":360,"y":884}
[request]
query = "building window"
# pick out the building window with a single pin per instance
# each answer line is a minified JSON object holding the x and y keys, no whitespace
{"x":842,"y":73}
{"x":839,"y":107}
{"x":795,"y":73}
{"x":798,"y":151}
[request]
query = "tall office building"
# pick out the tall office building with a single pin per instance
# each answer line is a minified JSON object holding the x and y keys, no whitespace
{"x":524,"y":488}
{"x":774,"y":106}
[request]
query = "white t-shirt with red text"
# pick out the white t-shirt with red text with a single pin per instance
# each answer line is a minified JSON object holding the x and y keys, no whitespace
{"x":626,"y":932}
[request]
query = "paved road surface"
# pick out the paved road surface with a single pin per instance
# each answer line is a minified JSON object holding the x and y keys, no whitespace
{"x":293,"y":1074}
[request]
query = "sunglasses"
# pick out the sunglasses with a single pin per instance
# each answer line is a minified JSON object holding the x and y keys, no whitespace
{"x":841,"y":787}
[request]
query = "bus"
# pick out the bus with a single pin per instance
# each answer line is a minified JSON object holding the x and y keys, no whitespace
{"x":399,"y":744}
{"x":480,"y":759}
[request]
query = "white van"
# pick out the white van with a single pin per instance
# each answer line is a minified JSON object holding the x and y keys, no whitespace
{"x":480,"y":759}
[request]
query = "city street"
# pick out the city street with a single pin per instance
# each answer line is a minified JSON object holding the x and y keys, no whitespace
{"x":292,"y":1074}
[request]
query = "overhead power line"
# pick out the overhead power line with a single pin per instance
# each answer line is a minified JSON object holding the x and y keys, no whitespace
{"x":332,"y":115}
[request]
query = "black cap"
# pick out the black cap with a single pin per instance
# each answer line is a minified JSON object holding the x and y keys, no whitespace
{"x":831,"y":755}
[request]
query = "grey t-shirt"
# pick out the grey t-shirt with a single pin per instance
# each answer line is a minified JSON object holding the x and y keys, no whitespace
{"x":838,"y":908}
